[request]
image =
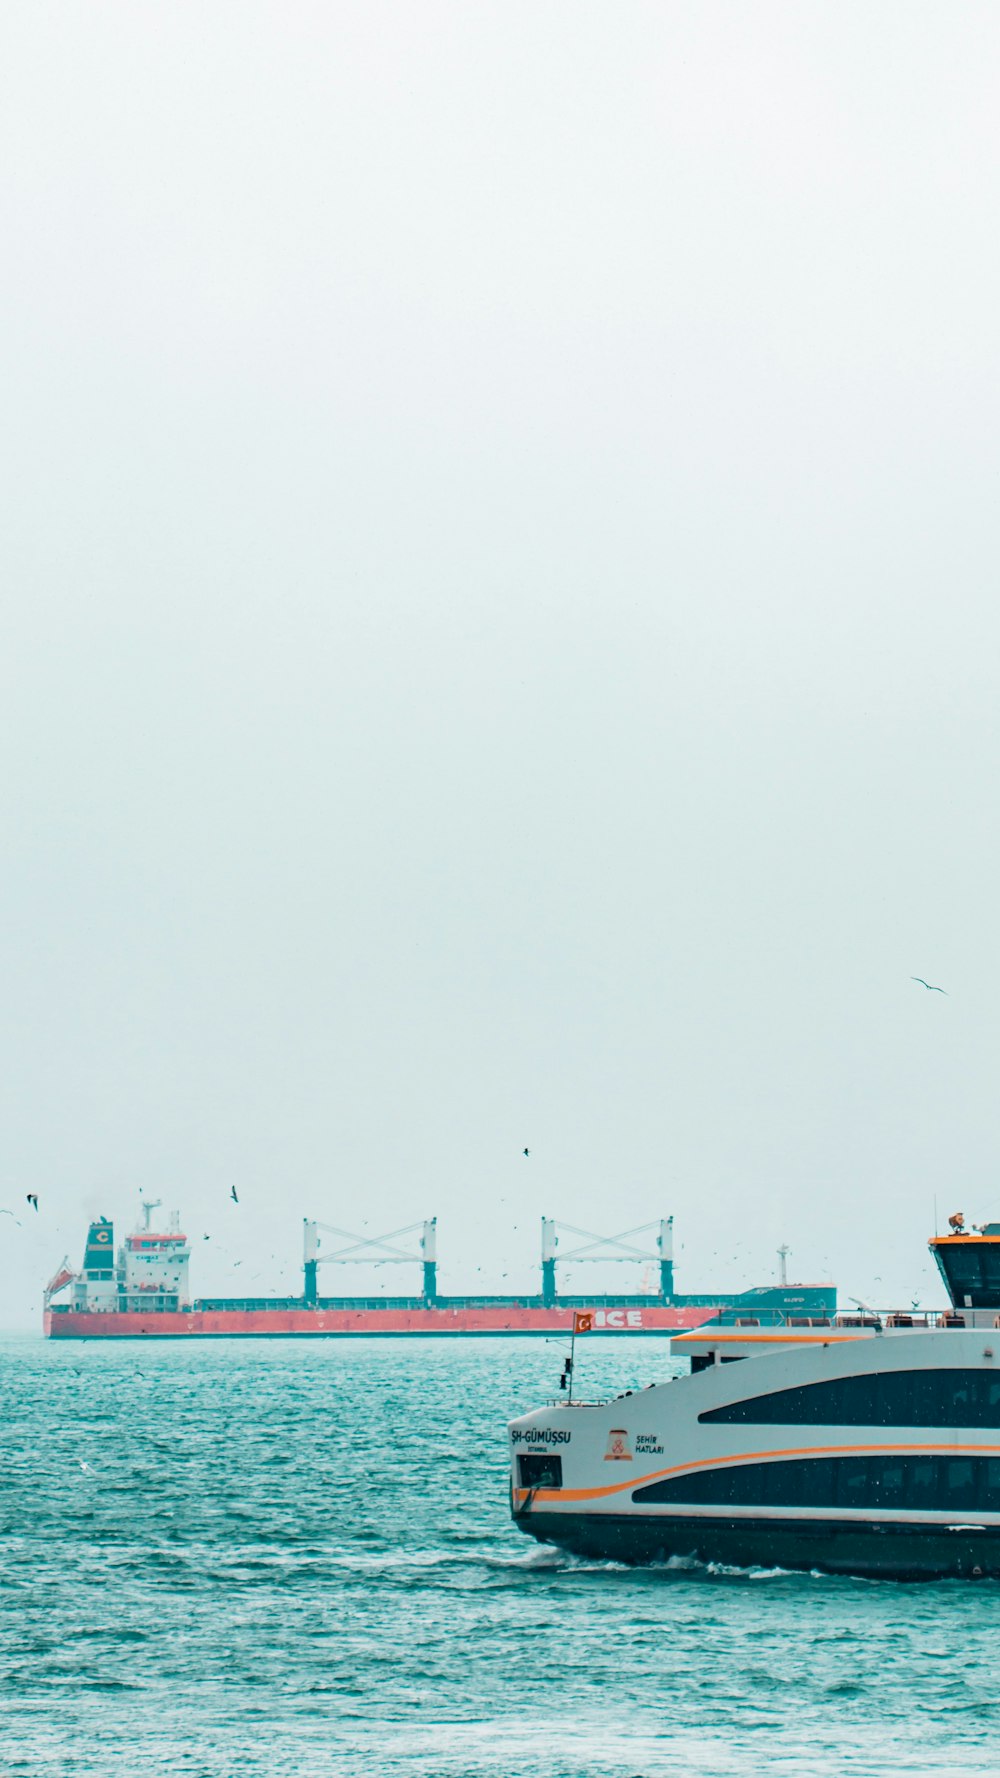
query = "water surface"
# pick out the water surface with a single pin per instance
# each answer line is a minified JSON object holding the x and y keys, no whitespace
{"x":247,"y":1558}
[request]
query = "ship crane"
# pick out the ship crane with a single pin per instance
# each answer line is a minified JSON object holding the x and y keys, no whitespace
{"x":383,"y":1250}
{"x":608,"y":1247}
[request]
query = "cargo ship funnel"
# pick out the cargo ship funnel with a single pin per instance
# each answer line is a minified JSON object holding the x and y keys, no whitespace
{"x":99,"y":1253}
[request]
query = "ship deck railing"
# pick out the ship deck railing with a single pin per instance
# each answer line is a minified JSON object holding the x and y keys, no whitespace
{"x":879,"y":1320}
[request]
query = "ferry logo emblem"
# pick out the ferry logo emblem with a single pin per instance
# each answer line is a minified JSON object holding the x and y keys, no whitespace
{"x":618,"y":1450}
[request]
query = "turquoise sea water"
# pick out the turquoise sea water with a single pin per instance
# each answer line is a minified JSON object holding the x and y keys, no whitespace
{"x":248,"y":1558}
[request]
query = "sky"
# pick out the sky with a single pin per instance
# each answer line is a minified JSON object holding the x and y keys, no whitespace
{"x":500,"y":632}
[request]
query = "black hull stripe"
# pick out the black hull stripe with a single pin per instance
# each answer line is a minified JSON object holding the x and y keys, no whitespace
{"x":870,"y":1550}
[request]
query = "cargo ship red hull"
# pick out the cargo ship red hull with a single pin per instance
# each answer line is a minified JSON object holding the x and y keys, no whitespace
{"x":308,"y":1323}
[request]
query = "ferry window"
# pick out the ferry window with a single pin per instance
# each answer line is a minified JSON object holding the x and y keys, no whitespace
{"x":991,"y":1485}
{"x":889,"y":1398}
{"x":774,"y":1488}
{"x":854,"y":1487}
{"x":889,"y":1483}
{"x":964,"y":1395}
{"x":922,"y":1484}
{"x":816,"y":1482}
{"x":537,"y":1469}
{"x":725,"y":1488}
{"x":809,"y":1483}
{"x":959,"y":1490}
{"x":907,"y":1482}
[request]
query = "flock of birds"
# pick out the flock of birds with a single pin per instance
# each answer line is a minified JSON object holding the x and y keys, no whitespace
{"x":32,"y":1197}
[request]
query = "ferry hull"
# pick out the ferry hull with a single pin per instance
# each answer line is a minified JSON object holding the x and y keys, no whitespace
{"x":304,"y":1323}
{"x":886,"y":1551}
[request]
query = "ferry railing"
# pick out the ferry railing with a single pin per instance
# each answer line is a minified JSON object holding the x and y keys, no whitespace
{"x":878,"y":1320}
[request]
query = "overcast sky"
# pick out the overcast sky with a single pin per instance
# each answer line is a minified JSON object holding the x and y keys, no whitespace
{"x":500,"y":630}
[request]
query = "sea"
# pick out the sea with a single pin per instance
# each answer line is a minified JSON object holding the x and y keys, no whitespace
{"x":253,"y":1559}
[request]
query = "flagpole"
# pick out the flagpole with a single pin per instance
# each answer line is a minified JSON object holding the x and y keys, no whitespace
{"x":572,"y":1355}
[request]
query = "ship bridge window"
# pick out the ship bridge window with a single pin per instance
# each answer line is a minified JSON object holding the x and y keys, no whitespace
{"x":971,"y":1270}
{"x":968,"y":1398}
{"x":538,"y":1469}
{"x":882,"y":1482}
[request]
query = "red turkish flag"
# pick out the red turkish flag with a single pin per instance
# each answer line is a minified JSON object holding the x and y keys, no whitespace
{"x":583,"y":1321}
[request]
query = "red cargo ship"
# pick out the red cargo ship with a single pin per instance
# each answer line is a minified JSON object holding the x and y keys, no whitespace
{"x":142,"y":1293}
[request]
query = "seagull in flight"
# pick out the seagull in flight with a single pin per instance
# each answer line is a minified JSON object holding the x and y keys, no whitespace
{"x":929,"y":986}
{"x":32,"y":1198}
{"x":526,"y":1152}
{"x":232,"y":1194}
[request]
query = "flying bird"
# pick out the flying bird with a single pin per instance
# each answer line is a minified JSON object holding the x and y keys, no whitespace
{"x":232,"y":1194}
{"x":526,"y":1152}
{"x":14,"y":1218}
{"x":929,"y":985}
{"x":32,"y":1198}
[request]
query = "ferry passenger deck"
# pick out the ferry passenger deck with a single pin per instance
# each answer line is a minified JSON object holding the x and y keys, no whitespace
{"x":867,"y":1444}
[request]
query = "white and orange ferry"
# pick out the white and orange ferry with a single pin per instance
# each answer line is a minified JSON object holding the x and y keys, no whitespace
{"x":867,"y":1444}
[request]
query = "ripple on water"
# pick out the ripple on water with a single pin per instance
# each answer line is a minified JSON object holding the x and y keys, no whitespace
{"x":301,"y":1562}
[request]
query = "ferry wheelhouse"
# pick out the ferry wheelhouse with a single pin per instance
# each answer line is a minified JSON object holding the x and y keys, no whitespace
{"x":864,"y":1444}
